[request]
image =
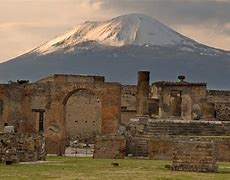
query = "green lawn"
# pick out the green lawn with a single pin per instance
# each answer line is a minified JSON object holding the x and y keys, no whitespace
{"x":86,"y":168}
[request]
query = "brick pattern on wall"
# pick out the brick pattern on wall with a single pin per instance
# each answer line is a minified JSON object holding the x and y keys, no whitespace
{"x":161,"y":148}
{"x":83,"y":115}
{"x":20,"y":101}
{"x":110,"y":147}
{"x":194,"y":156}
{"x":168,"y":127}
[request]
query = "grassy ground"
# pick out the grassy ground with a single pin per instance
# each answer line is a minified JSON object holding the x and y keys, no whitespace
{"x":86,"y":168}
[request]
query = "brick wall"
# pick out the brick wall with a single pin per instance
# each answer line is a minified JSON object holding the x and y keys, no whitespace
{"x":128,"y":103}
{"x":110,"y":147}
{"x":21,"y":105}
{"x":194,"y":156}
{"x":161,"y":148}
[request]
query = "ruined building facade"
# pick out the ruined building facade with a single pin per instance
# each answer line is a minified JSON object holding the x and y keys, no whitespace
{"x":64,"y":107}
{"x":75,"y":107}
{"x":180,"y":100}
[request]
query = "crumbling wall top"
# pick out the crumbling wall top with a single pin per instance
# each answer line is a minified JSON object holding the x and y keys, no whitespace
{"x":70,"y":78}
{"x":183,"y":83}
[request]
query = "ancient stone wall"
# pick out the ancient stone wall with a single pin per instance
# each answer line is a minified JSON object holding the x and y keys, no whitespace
{"x":194,"y":156}
{"x":218,"y":96}
{"x":128,"y":103}
{"x":161,"y":148}
{"x":11,"y":97}
{"x":182,"y":100}
{"x":221,"y":101}
{"x":78,"y":117}
{"x":110,"y":147}
{"x":137,"y":146}
{"x":222,"y":111}
{"x":22,"y":147}
{"x":156,"y":127}
{"x":48,"y":107}
{"x":164,"y":133}
{"x":63,"y":78}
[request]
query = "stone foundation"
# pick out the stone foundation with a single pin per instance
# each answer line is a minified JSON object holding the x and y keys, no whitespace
{"x":21,"y":147}
{"x":194,"y":156}
{"x":161,"y":148}
{"x":110,"y":147}
{"x":167,"y":127}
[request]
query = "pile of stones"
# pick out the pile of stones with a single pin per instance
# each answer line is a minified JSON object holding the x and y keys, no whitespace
{"x":21,"y":147}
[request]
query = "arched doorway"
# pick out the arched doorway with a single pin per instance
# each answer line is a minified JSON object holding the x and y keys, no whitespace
{"x":83,"y":115}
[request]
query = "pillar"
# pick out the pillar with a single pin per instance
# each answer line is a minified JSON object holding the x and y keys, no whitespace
{"x":143,"y":93}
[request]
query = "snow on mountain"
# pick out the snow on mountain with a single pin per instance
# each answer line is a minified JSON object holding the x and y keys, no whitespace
{"x":120,"y":47}
{"x":131,"y":29}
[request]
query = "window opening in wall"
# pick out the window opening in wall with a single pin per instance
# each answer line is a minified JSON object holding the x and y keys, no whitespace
{"x":41,"y":119}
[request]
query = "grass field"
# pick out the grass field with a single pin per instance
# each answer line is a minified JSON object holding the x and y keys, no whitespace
{"x":87,"y":168}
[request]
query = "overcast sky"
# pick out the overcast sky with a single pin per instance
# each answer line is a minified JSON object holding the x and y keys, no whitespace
{"x":25,"y":24}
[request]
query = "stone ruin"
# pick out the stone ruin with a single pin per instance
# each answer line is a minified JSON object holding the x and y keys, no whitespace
{"x":162,"y":148}
{"x":194,"y":156}
{"x":178,"y":121}
{"x":110,"y":147}
{"x":16,"y":148}
{"x":127,"y":117}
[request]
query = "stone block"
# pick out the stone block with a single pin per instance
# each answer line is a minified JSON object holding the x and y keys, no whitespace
{"x":21,"y":147}
{"x":110,"y":147}
{"x":194,"y":156}
{"x":9,"y":129}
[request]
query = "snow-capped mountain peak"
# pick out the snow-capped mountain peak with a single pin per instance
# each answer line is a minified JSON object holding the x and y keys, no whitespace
{"x":131,"y":29}
{"x":120,"y":47}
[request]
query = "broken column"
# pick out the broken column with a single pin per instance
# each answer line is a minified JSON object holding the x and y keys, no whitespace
{"x":143,"y":93}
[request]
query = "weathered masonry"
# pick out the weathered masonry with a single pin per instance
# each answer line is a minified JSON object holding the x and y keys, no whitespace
{"x":22,"y":147}
{"x":64,"y":107}
{"x":172,"y":114}
{"x":180,"y":100}
{"x":194,"y":156}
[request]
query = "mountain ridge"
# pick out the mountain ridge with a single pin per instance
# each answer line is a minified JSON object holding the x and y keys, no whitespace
{"x":118,"y":48}
{"x":131,"y":29}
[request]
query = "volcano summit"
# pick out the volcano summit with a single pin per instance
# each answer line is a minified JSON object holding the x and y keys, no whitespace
{"x":118,"y":48}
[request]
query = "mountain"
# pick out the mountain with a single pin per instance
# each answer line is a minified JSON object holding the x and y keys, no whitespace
{"x":118,"y":48}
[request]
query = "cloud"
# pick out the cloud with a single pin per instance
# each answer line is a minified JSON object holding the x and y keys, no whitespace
{"x":25,"y":24}
{"x":211,"y":16}
{"x":210,"y":36}
{"x":174,"y":11}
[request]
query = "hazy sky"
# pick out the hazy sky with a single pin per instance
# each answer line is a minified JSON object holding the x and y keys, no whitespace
{"x":25,"y":24}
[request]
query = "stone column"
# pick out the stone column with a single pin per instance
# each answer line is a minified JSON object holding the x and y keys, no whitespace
{"x":143,"y":93}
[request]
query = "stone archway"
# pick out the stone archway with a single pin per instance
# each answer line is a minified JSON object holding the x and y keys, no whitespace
{"x":83,"y":115}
